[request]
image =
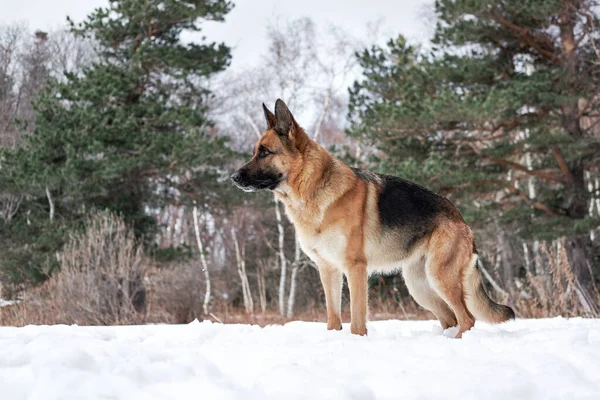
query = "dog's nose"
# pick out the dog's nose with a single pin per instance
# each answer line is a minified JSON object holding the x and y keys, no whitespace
{"x":236,"y":177}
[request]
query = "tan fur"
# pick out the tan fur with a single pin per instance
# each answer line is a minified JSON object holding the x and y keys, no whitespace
{"x":332,"y":278}
{"x":336,"y":219}
{"x":479,"y":302}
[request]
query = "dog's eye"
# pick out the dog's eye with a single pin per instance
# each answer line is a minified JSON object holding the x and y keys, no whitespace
{"x":262,"y":153}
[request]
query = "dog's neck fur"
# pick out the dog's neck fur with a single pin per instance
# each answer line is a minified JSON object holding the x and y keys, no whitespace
{"x":308,"y":192}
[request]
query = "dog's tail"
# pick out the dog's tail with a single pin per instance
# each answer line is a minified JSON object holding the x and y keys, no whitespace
{"x":478,"y":301}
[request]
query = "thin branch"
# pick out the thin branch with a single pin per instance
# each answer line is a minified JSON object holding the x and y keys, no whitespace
{"x":562,"y":164}
{"x":536,"y":204}
{"x":590,"y":21}
{"x":216,"y":318}
{"x":491,"y":280}
{"x":322,"y":116}
{"x":529,"y":38}
{"x":537,"y":173}
{"x":252,"y":125}
{"x":543,"y":174}
{"x":51,"y":203}
{"x":241,"y":264}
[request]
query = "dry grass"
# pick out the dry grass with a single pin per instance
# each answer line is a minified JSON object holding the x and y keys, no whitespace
{"x":101,"y":281}
{"x":554,"y":290}
{"x":104,"y":281}
{"x":313,"y":314}
{"x":176,"y":293}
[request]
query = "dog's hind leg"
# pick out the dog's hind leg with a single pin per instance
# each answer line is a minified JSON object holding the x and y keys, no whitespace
{"x":426,"y":296}
{"x":440,"y":309}
{"x":449,"y":256}
{"x":332,"y":278}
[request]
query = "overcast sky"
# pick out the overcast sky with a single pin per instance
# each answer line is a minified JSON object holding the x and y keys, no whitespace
{"x":245,"y":27}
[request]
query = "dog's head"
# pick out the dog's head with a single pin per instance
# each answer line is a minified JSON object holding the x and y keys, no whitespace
{"x":278,"y":151}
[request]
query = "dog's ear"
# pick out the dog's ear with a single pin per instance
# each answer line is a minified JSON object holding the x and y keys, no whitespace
{"x":284,"y":119}
{"x":286,"y":124}
{"x":287,"y":127}
{"x":269,"y":117}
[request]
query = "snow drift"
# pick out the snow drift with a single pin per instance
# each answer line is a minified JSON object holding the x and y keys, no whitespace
{"x":524,"y":359}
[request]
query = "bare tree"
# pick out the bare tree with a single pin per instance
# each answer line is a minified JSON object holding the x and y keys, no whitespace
{"x":12,"y":42}
{"x":282,"y":259}
{"x":262,"y":288}
{"x":35,"y":62}
{"x":202,"y":260}
{"x":12,"y":39}
{"x":68,"y":53}
{"x":240,"y":256}
{"x":295,"y":269}
{"x":27,"y":61}
{"x":308,"y":67}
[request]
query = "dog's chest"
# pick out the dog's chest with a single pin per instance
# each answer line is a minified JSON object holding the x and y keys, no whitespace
{"x":328,"y":245}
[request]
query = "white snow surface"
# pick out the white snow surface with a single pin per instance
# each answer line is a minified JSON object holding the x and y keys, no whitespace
{"x":6,"y":303}
{"x":524,"y":359}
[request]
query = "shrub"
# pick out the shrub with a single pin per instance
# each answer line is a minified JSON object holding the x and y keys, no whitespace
{"x":101,"y":280}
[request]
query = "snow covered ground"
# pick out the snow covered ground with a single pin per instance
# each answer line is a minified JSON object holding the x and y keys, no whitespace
{"x":5,"y":303}
{"x":525,"y":359}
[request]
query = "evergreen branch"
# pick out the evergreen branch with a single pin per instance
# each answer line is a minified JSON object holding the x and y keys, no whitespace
{"x":536,"y":204}
{"x":532,"y":40}
{"x":562,"y":164}
{"x":510,"y":125}
{"x":506,"y":126}
{"x":452,"y":189}
{"x":589,"y":27}
{"x":543,"y":174}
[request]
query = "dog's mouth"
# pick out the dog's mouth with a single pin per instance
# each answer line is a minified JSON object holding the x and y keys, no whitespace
{"x":255,"y":186}
{"x":247,"y":189}
{"x":252,"y":181}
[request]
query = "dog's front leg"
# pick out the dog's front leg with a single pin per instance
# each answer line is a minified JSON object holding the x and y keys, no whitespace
{"x":331,"y":278}
{"x":357,"y":282}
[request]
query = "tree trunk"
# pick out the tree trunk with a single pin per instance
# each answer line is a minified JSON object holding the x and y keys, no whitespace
{"x":579,"y":252}
{"x":296,"y":265}
{"x":50,"y":203}
{"x":282,"y":259}
{"x":262,"y":289}
{"x":597,"y":190}
{"x":576,"y":198}
{"x":203,"y":261}
{"x":526,"y":256}
{"x":576,"y":195}
{"x":241,"y":262}
{"x":506,"y":263}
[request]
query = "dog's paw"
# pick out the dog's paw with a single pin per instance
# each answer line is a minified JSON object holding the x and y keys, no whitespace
{"x":334,"y":327}
{"x":359,"y":331}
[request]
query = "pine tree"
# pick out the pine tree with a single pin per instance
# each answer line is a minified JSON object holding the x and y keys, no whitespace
{"x":122,"y":133}
{"x":501,"y":115}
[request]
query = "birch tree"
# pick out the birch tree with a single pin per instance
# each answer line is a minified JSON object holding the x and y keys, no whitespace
{"x":241,"y":266}
{"x":202,"y":260}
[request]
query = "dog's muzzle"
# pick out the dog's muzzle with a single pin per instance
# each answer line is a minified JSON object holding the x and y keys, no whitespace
{"x":242,"y":179}
{"x":238,"y":180}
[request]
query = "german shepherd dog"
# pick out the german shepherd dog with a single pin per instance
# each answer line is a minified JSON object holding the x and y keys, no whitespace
{"x":354,"y":222}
